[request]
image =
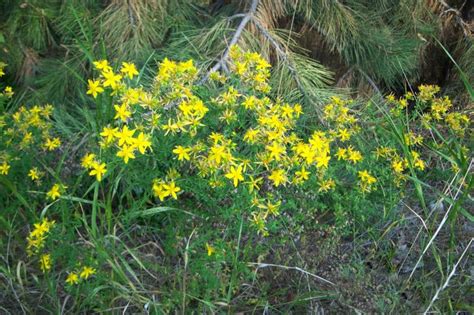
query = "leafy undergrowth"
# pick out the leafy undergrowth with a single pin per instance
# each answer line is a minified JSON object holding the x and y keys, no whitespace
{"x":176,"y":194}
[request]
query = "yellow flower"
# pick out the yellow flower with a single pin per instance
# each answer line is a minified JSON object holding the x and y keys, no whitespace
{"x":126,"y":153}
{"x":250,"y":102}
{"x":125,"y":136}
{"x":159,"y":191}
{"x":142,"y":142}
{"x":302,"y":174}
{"x":122,"y":112}
{"x":298,"y":110}
{"x":251,"y":135}
{"x":34,"y":174}
{"x":171,"y":189}
{"x":366,"y":177}
{"x":52,"y":144}
{"x":427,"y":92}
{"x":403,"y":103}
{"x":129,"y":69}
{"x":210,"y":250}
{"x":272,"y":208}
{"x":216,"y":137}
{"x":218,"y":153}
{"x":45,"y":262}
{"x":278,"y":177}
{"x":322,"y":160}
{"x":38,"y":236}
{"x":326,"y":185}
{"x":40,"y":229}
{"x":390,"y":97}
{"x":276,"y":151}
{"x":235,"y":174}
{"x":87,"y":272}
{"x":54,"y":192}
{"x":240,"y":68}
{"x":259,"y":220}
{"x":344,"y":134}
{"x":354,"y":155}
{"x":419,"y":164}
{"x":341,"y":154}
{"x":254,"y":184}
{"x":4,"y":168}
{"x":111,"y":79}
{"x":88,"y":160}
{"x":94,"y":88}
{"x":383,"y":152}
{"x":109,"y":134}
{"x":8,"y":91}
{"x":102,"y":65}
{"x":72,"y":278}
{"x":366,"y":181}
{"x":182,"y":152}
{"x":98,"y":169}
{"x":397,"y":166}
{"x":2,"y":67}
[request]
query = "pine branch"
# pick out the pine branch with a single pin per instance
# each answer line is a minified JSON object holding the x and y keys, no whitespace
{"x":222,"y":63}
{"x":457,"y":13}
{"x":284,"y":56}
{"x":281,"y":54}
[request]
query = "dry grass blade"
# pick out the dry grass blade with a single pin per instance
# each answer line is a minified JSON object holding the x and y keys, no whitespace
{"x":265,"y":265}
{"x":443,"y":221}
{"x":451,"y":274}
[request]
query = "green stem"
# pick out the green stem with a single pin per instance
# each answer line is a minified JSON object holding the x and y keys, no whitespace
{"x":94,"y":209}
{"x":108,"y":211}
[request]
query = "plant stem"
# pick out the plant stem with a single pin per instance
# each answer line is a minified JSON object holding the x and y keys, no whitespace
{"x":94,"y":209}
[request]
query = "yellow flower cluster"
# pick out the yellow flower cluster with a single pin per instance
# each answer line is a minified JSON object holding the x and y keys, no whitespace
{"x":125,"y":141}
{"x":400,"y":164}
{"x":427,"y":92}
{"x":458,"y":122}
{"x":178,"y":76}
{"x":436,"y":113}
{"x":162,"y":189}
{"x":96,"y":168}
{"x":251,"y":68}
{"x":83,"y":273}
{"x":342,"y":126}
{"x":139,"y":113}
{"x":8,"y":90}
{"x":27,"y":127}
{"x":24,"y":130}
{"x":437,"y":109}
{"x":366,"y":181}
{"x":264,"y":211}
{"x":45,"y":262}
{"x":256,"y":147}
{"x":2,"y":68}
{"x":37,"y":237}
{"x":338,"y":113}
{"x":36,"y":240}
